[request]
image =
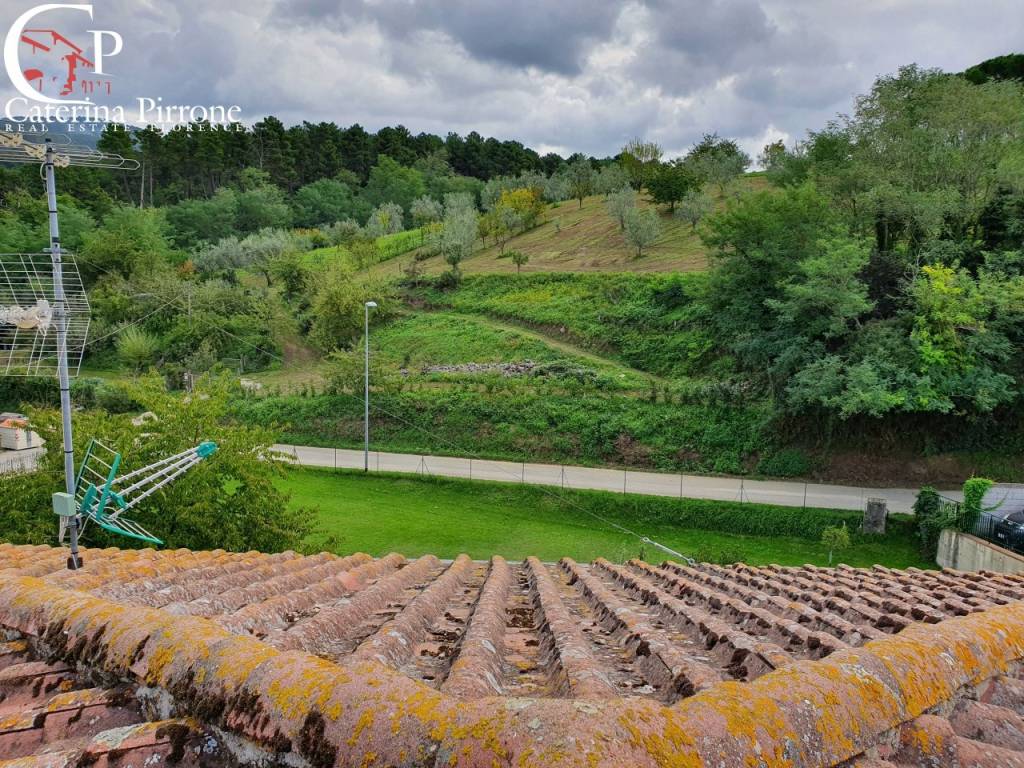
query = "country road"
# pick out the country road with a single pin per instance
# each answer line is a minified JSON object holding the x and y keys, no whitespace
{"x":785,"y":493}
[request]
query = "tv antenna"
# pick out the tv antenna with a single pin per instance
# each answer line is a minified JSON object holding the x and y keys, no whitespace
{"x":27,"y":315}
{"x":101,"y":496}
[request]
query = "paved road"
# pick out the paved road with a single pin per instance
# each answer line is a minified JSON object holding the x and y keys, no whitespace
{"x":790,"y":494}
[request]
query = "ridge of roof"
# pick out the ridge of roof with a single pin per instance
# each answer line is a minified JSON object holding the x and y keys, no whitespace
{"x":358,"y":711}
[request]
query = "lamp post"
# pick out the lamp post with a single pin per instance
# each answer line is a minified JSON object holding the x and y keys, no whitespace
{"x":366,"y":391}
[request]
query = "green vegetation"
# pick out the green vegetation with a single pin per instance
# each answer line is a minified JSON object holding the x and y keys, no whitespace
{"x":379,"y":514}
{"x":649,"y":322}
{"x":974,"y":494}
{"x":387,"y":247}
{"x":439,"y":339}
{"x":540,"y":423}
{"x":230,"y":501}
{"x":859,"y":299}
{"x":836,"y":539}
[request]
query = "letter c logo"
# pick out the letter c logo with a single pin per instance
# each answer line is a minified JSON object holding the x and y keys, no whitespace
{"x":12,"y":63}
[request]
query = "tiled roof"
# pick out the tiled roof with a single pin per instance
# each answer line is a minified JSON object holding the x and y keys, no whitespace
{"x":214,"y":658}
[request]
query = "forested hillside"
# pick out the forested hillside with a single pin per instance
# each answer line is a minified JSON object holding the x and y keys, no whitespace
{"x":862,"y":297}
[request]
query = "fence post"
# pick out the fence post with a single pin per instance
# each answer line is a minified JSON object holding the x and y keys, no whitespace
{"x":624,"y":476}
{"x":470,"y":467}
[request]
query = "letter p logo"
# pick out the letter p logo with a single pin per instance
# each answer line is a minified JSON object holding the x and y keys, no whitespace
{"x":117,"y":44}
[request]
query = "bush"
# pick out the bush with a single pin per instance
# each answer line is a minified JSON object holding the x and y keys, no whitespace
{"x":789,"y":462}
{"x":932,"y":515}
{"x":728,"y":464}
{"x":137,"y":347}
{"x":974,"y":493}
{"x":230,"y":501}
{"x":115,"y":398}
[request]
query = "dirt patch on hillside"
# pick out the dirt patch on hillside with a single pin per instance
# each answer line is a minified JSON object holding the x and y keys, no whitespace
{"x":879,"y":470}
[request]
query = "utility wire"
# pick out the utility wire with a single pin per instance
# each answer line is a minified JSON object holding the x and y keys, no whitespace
{"x":126,"y":326}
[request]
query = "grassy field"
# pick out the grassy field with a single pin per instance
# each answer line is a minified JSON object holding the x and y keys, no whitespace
{"x":443,"y":338}
{"x":388,"y":247}
{"x":652,"y":323}
{"x":380,"y":514}
{"x":587,"y":239}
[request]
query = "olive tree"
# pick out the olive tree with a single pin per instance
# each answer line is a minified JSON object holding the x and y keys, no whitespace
{"x":386,"y":219}
{"x":519,"y":258}
{"x":642,"y":229}
{"x":458,"y":235}
{"x":581,"y":178}
{"x":694,"y":206}
{"x":425,"y":210}
{"x":717,"y":161}
{"x":619,"y":205}
{"x":611,"y":179}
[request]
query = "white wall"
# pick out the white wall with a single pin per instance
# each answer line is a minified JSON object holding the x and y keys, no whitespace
{"x":964,"y":552}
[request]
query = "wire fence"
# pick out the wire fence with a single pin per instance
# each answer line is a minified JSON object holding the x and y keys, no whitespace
{"x":626,"y":481}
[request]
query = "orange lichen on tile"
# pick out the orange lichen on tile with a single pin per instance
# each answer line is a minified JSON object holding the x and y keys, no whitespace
{"x":355,"y":711}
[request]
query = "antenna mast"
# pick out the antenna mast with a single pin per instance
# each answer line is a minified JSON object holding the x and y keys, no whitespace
{"x":14,"y":148}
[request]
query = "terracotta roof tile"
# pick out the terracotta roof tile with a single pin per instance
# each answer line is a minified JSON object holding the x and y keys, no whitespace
{"x":493,"y":663}
{"x":50,"y":718}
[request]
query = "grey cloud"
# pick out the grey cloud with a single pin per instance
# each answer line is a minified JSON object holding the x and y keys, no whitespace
{"x":578,"y":74}
{"x":710,"y":31}
{"x":550,"y":36}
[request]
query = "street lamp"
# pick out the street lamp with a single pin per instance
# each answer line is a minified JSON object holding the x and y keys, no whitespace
{"x":366,"y":392}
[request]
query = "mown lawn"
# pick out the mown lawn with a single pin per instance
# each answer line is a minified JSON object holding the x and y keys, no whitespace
{"x":380,"y":514}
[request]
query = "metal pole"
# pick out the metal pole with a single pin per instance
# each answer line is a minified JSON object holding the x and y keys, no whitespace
{"x":366,"y":393}
{"x":60,"y":313}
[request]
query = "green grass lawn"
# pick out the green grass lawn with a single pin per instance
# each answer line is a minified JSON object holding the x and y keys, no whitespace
{"x":380,"y":514}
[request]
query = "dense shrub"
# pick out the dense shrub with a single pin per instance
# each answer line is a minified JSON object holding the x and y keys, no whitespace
{"x":789,"y":462}
{"x":578,"y":428}
{"x":932,"y":515}
{"x":974,"y":493}
{"x":17,"y":392}
{"x":115,"y":397}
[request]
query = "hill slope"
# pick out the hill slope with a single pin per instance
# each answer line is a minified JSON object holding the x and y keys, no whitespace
{"x":587,"y":239}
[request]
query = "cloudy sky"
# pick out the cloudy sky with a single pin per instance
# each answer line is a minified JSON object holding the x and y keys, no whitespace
{"x":561,"y":75}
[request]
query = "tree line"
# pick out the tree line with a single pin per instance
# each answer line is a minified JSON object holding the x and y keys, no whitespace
{"x":881,"y":280}
{"x":198,"y":160}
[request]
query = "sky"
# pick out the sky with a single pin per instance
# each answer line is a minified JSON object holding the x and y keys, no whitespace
{"x":564,"y":76}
